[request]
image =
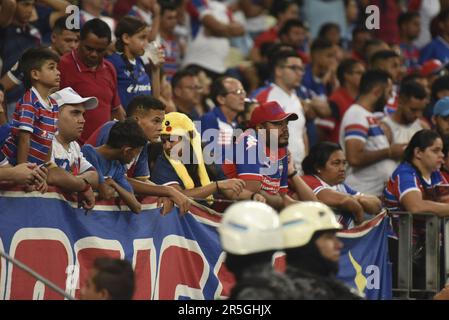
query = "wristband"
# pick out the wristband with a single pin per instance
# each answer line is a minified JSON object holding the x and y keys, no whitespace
{"x":294,"y":173}
{"x":218,"y":189}
{"x":87,"y":187}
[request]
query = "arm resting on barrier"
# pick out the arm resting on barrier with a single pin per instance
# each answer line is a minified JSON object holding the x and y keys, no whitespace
{"x":371,"y":204}
{"x":343,"y":202}
{"x":414,"y":203}
{"x":147,"y":187}
{"x":128,"y":197}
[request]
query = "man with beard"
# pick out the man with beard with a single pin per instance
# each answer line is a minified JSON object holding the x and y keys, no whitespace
{"x":407,"y":119}
{"x":313,"y":250}
{"x":260,"y":156}
{"x":367,"y":149}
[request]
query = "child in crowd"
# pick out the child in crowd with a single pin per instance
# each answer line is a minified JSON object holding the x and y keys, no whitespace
{"x":34,"y":120}
{"x":132,"y":77}
{"x":126,"y":140}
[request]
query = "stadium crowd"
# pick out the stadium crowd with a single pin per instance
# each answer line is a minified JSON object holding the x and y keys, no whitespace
{"x":282,"y":103}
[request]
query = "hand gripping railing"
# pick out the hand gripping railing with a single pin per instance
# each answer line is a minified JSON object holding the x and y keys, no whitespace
{"x":432,"y":253}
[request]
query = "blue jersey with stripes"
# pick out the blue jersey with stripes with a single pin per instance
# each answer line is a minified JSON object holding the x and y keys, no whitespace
{"x":37,"y":116}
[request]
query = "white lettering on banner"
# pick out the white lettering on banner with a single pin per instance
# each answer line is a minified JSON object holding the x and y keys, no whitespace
{"x":73,"y":275}
{"x":218,"y":269}
{"x":38,"y":291}
{"x":373,"y":277}
{"x":144,"y":265}
{"x":89,"y":248}
{"x":2,"y":273}
{"x":28,"y":245}
{"x":171,"y":285}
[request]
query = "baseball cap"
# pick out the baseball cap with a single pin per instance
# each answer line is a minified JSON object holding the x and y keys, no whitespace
{"x":270,"y":112}
{"x":70,"y":96}
{"x":431,"y":67}
{"x":441,"y":108}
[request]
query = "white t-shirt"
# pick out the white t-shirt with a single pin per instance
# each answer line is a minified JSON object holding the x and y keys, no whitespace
{"x":71,"y":160}
{"x":359,"y":123}
{"x":402,"y":133}
{"x":290,"y":103}
{"x":206,"y":50}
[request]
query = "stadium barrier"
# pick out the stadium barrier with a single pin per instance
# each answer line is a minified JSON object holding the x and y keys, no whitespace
{"x":174,"y":257}
{"x":436,"y":255}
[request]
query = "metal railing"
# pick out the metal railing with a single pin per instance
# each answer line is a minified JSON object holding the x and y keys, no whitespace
{"x":434,"y":227}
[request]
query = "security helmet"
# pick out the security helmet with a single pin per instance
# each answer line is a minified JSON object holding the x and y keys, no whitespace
{"x":300,"y":221}
{"x":249,"y":227}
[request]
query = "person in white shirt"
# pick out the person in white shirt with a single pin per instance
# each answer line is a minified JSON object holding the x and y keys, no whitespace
{"x":69,"y":170}
{"x":288,"y":70}
{"x":367,"y":148}
{"x":407,"y":120}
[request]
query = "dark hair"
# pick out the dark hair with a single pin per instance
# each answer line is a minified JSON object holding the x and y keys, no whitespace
{"x":422,"y":140}
{"x":61,"y":25}
{"x":414,"y":76}
{"x":370,"y":43}
{"x":34,"y":59}
{"x":371,"y":79}
{"x":445,"y":146}
{"x":97,"y":27}
{"x":320,"y":44}
{"x":440,"y":84}
{"x":130,"y":26}
{"x":126,"y":133}
{"x":144,"y":103}
{"x":407,"y":17}
{"x":115,"y":276}
{"x":443,"y":15}
{"x":325,"y":28}
{"x":346,"y":67}
{"x":280,"y":6}
{"x":382,"y":55}
{"x":280,"y":58}
{"x":218,"y":88}
{"x":168,"y":6}
{"x":318,"y":155}
{"x":359,"y":29}
{"x":179,"y":75}
{"x":290,"y":24}
{"x":411,"y":89}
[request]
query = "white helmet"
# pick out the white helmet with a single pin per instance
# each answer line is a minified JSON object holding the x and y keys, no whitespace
{"x":300,"y":221}
{"x":249,"y":227}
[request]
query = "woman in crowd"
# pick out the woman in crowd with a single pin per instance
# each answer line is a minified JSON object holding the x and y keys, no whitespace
{"x":413,"y":185}
{"x":182,"y":166}
{"x":325,"y":170}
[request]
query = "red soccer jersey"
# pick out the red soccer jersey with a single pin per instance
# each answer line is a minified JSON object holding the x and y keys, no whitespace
{"x":100,"y":83}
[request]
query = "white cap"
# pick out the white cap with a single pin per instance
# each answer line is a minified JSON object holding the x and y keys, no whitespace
{"x":70,"y":96}
{"x":249,"y":227}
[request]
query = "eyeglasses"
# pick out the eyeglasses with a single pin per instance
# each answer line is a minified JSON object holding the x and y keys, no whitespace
{"x":295,"y":68}
{"x":239,"y":92}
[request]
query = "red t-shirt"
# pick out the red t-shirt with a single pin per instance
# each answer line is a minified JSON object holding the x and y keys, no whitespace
{"x":271,"y":35}
{"x":340,"y":101}
{"x":100,"y":83}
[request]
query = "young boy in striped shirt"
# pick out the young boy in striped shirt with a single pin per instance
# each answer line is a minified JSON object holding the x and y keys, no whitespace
{"x":35,"y":116}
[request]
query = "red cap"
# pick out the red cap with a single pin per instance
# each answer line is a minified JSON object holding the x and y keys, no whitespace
{"x":270,"y":112}
{"x":431,"y":67}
